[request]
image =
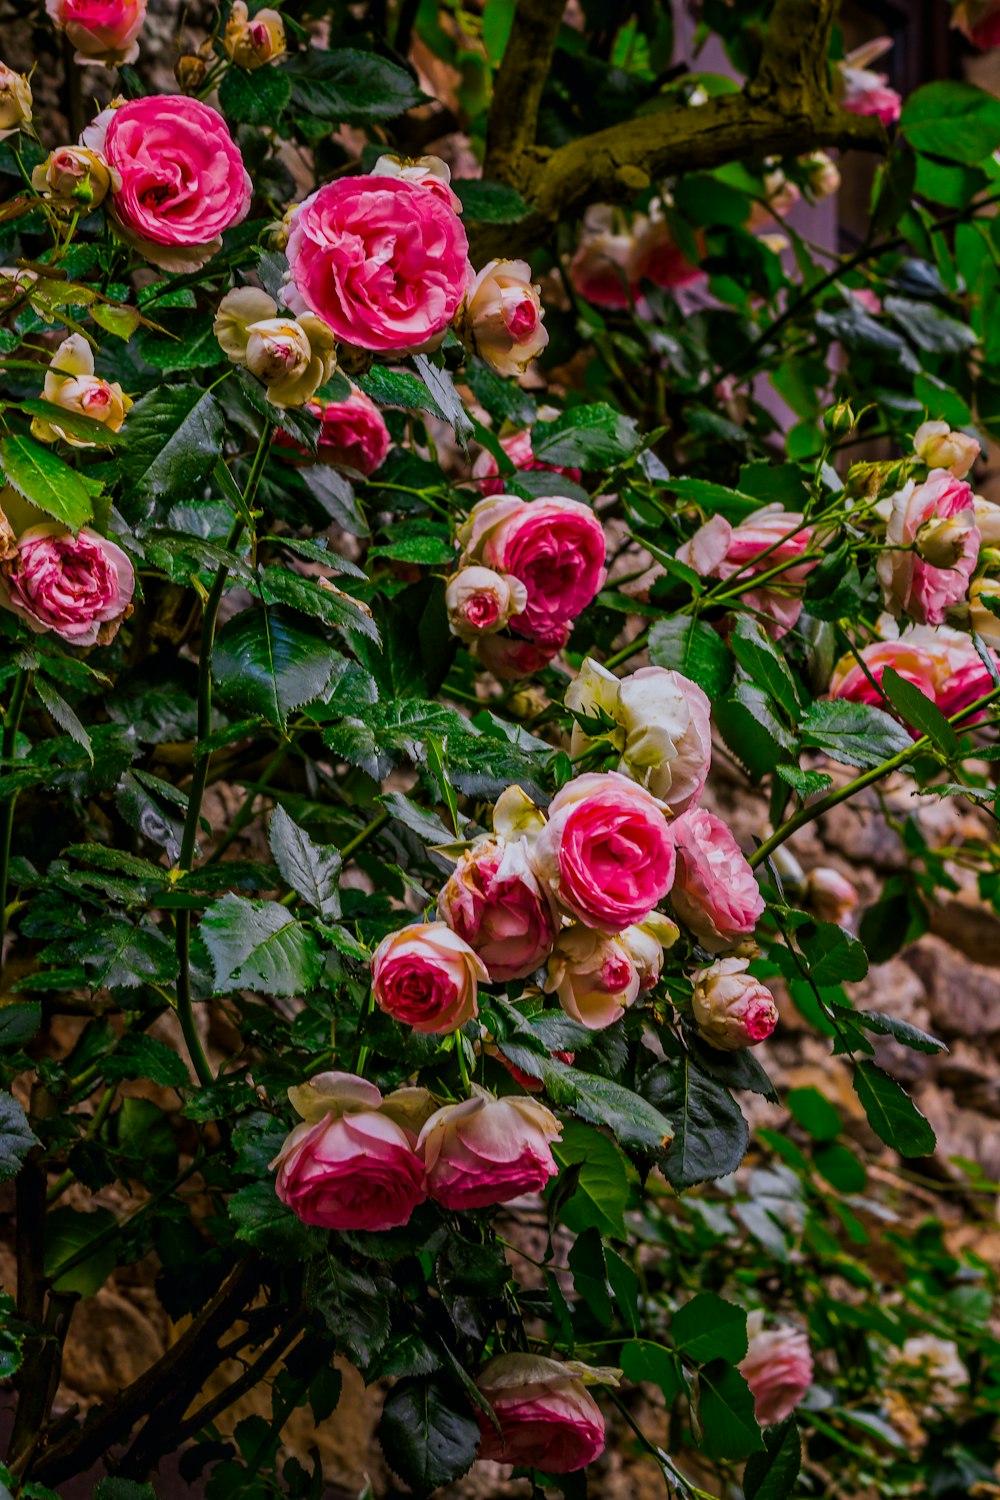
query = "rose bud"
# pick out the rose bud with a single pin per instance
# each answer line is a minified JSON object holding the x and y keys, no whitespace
{"x":936,"y":445}
{"x":830,"y":895}
{"x":70,"y":382}
{"x":183,"y":182}
{"x":485,"y":1150}
{"x":381,"y":260}
{"x":980,"y":618}
{"x":80,"y":587}
{"x":662,"y":727}
{"x":988,"y":521}
{"x":518,"y":448}
{"x":15,"y":101}
{"x":293,"y":357}
{"x":74,"y":179}
{"x":767,"y":538}
{"x":252,"y":42}
{"x":480,"y":602}
{"x":428,"y":172}
{"x":494,"y":902}
{"x":102,"y":31}
{"x":190,"y":70}
{"x":924,"y":589}
{"x":593,"y":976}
{"x":863,"y":92}
{"x":646,"y":943}
{"x":823,"y":175}
{"x":778,"y":1368}
{"x":547,"y":1418}
{"x":979,"y":22}
{"x":349,"y":1165}
{"x":555,"y":546}
{"x":600,"y":270}
{"x":606,"y":852}
{"x":730,"y":1007}
{"x":426,"y":976}
{"x":501,"y":317}
{"x":714,"y":893}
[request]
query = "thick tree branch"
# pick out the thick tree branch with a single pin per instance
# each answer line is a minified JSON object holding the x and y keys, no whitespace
{"x":517,"y":92}
{"x":787,"y":108}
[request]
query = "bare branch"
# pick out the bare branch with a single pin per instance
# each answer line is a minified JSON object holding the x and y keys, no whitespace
{"x":517,"y":92}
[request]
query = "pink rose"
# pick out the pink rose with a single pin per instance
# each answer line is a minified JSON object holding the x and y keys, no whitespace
{"x":358,"y":1171}
{"x":183,"y":181}
{"x":593,"y":975}
{"x":484,"y":1150}
{"x":979,"y":21}
{"x":102,"y":31}
{"x":79,"y":586}
{"x":556,"y":548}
{"x":426,"y":976}
{"x":380,"y":259}
{"x":938,"y":518}
{"x":601,"y":266}
{"x":656,"y":257}
{"x":769,"y":538}
{"x":501,"y":317}
{"x":715,"y":893}
{"x":730,"y":1007}
{"x":428,"y":172}
{"x":863,"y":92}
{"x":941,"y":448}
{"x":548,"y":1420}
{"x":480,"y":602}
{"x":495,"y":904}
{"x":606,"y":852}
{"x":70,"y":382}
{"x":778,"y":1368}
{"x":517,"y":446}
{"x":353,"y":434}
{"x":510,"y":657}
{"x":942,"y":663}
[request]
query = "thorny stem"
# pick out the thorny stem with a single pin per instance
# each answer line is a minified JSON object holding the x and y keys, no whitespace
{"x":11,"y":725}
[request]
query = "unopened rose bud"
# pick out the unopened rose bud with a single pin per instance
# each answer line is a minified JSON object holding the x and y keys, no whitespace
{"x":253,"y":41}
{"x":355,"y":362}
{"x":74,"y":178}
{"x":829,"y":894}
{"x":940,"y":448}
{"x":730,"y":1007}
{"x":15,"y":101}
{"x":945,"y":539}
{"x":823,"y":175}
{"x":527,"y":703}
{"x":501,"y":317}
{"x":840,"y":420}
{"x":190,"y":70}
{"x":480,"y":601}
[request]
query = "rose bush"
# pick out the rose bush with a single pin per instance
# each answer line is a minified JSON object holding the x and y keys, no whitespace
{"x":426,"y":642}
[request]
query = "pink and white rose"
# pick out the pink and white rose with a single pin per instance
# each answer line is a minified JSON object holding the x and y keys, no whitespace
{"x":601,"y":267}
{"x":864,"y":92}
{"x":353,"y":434}
{"x":830,"y":895}
{"x":495,"y":903}
{"x":593,"y":975}
{"x":548,"y":1420}
{"x":480,"y":602}
{"x":939,"y":447}
{"x":73,"y":179}
{"x":253,"y":41}
{"x":657,"y":257}
{"x":938,"y":519}
{"x":102,"y":31}
{"x":770,"y":538}
{"x":485,"y":1150}
{"x":183,"y":182}
{"x":427,"y":976}
{"x":79,"y":587}
{"x":715,"y":893}
{"x":428,"y":172}
{"x":380,"y":259}
{"x":606,"y":852}
{"x":15,"y":101}
{"x":942,"y":663}
{"x":778,"y":1368}
{"x":292,"y":357}
{"x":512,"y":657}
{"x":70,"y":382}
{"x":731,"y":1008}
{"x":501,"y":317}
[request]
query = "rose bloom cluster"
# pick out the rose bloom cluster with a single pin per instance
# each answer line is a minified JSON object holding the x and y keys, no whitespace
{"x":765,"y":560}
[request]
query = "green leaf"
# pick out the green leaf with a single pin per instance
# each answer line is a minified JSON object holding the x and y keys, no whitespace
{"x":585,"y":437}
{"x":485,"y":202}
{"x":930,"y":328}
{"x":117,"y":319}
{"x":804,"y":783}
{"x":350,"y":86}
{"x":726,"y":1413}
{"x":855,"y":733}
{"x":258,"y":945}
{"x":751,"y":728}
{"x":771,"y":1475}
{"x":255,"y":98}
{"x":398,"y":388}
{"x":833,"y":954}
{"x":632,"y":1119}
{"x":764,"y":664}
{"x":16,"y":1136}
{"x":919,"y":711}
{"x":120,"y":954}
{"x":313,"y":870}
{"x":814,"y":1113}
{"x":714,"y":499}
{"x":883,"y":1025}
{"x":354,"y":1308}
{"x":64,"y":715}
{"x":891,"y":1113}
{"x":708,"y":1327}
{"x":641,"y":1361}
{"x":442,"y":388}
{"x":47,"y":482}
{"x":19,"y":1021}
{"x":265,"y":664}
{"x":264,"y":1222}
{"x":954,"y":120}
{"x":428,"y":1434}
{"x":280,"y":585}
{"x":710,"y":1134}
{"x":172,"y":441}
{"x":602,"y":1187}
{"x":139,"y":1056}
{"x":335,"y":494}
{"x":68,"y":1233}
{"x":840,"y":1167}
{"x":694,"y":649}
{"x":73,"y":422}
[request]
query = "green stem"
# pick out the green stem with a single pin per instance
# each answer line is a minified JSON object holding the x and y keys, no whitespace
{"x":11,"y":725}
{"x":832,"y":799}
{"x":100,"y":1115}
{"x":361,"y":838}
{"x":246,"y":812}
